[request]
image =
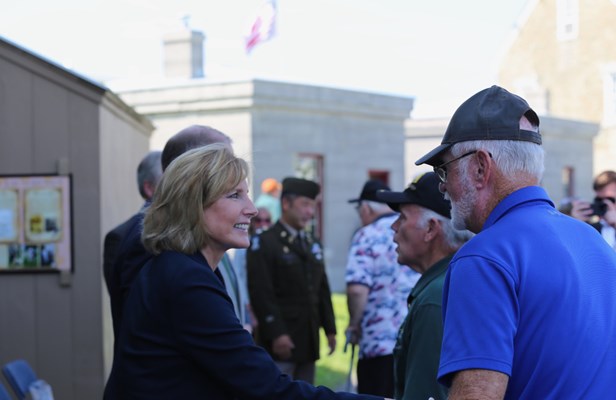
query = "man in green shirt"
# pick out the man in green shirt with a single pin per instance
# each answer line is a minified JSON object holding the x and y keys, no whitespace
{"x":426,"y":241}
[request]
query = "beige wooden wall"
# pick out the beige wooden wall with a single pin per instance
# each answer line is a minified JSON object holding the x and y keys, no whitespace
{"x":52,"y":120}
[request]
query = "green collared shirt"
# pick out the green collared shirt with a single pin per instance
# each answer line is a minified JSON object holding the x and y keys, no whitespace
{"x":418,"y":347}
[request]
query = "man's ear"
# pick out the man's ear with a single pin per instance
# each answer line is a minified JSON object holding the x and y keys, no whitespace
{"x":368,"y":209}
{"x":483,"y":166}
{"x":149,"y":188}
{"x":433,"y":228}
{"x":285,"y":203}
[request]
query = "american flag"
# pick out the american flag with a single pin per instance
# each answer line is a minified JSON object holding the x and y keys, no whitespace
{"x":264,"y":26}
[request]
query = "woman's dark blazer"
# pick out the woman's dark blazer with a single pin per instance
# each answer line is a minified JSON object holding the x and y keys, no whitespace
{"x":181,"y":339}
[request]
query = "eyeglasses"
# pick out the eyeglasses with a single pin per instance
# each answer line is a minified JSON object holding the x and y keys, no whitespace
{"x":358,"y":206}
{"x":441,"y":171}
{"x":260,"y":220}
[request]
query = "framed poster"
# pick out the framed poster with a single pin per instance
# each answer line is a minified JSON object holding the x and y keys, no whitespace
{"x":35,"y":223}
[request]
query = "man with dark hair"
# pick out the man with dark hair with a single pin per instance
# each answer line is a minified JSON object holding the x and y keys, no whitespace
{"x":148,"y":174}
{"x":601,"y":213}
{"x":529,"y":303}
{"x":288,"y":287}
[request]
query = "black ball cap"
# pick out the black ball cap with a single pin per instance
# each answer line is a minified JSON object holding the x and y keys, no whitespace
{"x":369,"y":191}
{"x":491,"y":114}
{"x":423,"y":191}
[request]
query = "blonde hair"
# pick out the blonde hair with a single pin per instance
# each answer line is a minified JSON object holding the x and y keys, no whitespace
{"x":192,"y":183}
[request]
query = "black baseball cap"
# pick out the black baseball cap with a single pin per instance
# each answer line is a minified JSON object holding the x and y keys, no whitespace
{"x":491,"y":114}
{"x":369,"y":191}
{"x":300,"y":187}
{"x":423,"y":191}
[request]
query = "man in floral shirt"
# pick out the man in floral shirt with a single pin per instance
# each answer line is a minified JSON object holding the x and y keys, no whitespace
{"x":377,"y":289}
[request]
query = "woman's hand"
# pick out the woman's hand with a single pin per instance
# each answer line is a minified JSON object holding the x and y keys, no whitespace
{"x":283,"y":347}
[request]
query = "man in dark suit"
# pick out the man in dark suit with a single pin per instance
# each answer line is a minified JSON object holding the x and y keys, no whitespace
{"x":149,"y":172}
{"x":288,"y":287}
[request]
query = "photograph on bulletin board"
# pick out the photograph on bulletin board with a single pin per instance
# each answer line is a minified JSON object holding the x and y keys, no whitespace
{"x":35,"y":223}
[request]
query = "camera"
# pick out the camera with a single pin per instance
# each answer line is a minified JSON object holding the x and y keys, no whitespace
{"x":599,"y":207}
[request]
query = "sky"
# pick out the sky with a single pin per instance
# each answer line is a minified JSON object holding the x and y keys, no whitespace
{"x":438,"y":51}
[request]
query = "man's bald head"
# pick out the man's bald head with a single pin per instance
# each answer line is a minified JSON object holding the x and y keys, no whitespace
{"x":190,"y":138}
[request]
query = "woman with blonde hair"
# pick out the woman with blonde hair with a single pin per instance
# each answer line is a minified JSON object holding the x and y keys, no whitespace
{"x":180,"y":337}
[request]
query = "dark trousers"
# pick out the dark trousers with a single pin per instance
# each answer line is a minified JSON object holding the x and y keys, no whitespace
{"x":376,"y":376}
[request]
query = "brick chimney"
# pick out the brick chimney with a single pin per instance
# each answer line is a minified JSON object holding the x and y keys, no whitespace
{"x":184,"y":54}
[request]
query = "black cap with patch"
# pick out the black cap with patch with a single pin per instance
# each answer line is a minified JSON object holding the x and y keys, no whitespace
{"x":492,"y":114}
{"x":369,"y":191}
{"x":423,"y":191}
{"x":300,"y":187}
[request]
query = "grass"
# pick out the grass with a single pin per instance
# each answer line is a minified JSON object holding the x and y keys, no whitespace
{"x":332,"y":371}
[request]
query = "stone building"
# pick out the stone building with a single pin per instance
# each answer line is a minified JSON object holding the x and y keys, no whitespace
{"x":562,"y":58}
{"x":339,"y":138}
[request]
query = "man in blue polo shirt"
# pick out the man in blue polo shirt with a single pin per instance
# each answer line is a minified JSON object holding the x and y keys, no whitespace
{"x":529,"y":303}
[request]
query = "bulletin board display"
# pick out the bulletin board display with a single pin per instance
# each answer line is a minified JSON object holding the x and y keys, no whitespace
{"x":35,"y":223}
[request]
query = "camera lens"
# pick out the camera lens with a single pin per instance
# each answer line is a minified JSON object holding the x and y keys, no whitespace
{"x":599,"y":208}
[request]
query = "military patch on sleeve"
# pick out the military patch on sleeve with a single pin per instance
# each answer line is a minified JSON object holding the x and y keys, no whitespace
{"x":255,"y":245}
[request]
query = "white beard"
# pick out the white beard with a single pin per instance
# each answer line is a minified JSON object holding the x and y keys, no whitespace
{"x":462,"y":208}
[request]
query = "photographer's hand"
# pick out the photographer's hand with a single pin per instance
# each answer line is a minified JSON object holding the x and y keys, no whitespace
{"x":581,"y":210}
{"x":610,"y":214}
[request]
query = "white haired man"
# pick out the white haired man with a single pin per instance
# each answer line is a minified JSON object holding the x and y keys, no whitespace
{"x":530,"y":302}
{"x":426,"y":242}
{"x":377,"y":288}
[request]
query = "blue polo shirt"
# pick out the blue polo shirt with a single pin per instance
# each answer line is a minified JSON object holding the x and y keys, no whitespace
{"x":533,"y":296}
